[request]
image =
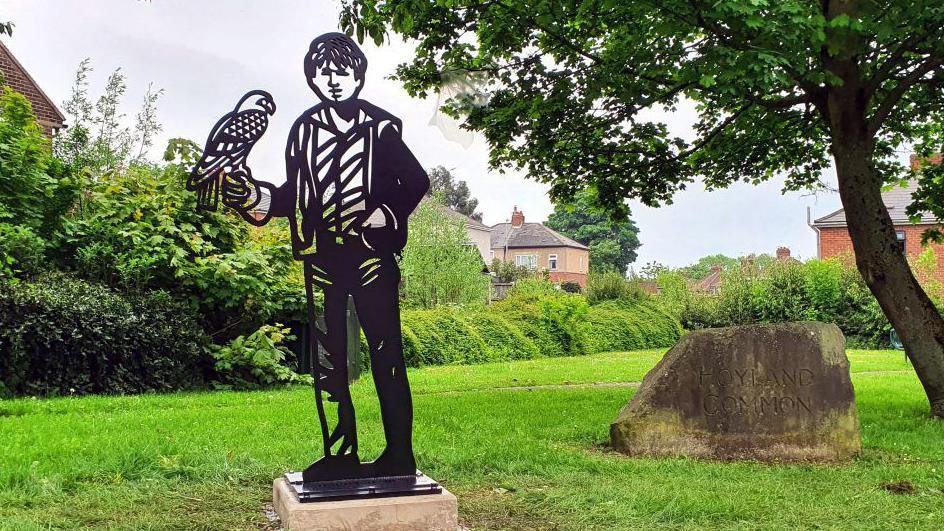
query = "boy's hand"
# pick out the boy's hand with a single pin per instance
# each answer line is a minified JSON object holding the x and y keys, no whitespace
{"x":237,"y":192}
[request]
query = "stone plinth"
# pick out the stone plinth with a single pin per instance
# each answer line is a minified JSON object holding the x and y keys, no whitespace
{"x":428,"y":512}
{"x":777,"y":392}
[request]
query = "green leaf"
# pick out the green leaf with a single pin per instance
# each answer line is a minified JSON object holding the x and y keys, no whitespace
{"x":840,"y":21}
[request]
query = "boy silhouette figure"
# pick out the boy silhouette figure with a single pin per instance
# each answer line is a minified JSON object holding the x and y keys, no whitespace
{"x":351,"y":185}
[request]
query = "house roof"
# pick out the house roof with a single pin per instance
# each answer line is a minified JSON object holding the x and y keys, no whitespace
{"x":711,"y":283}
{"x":265,"y":201}
{"x":529,"y":235}
{"x":19,"y":79}
{"x":896,"y":200}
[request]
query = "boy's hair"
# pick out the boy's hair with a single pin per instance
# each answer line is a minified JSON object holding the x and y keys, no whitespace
{"x":335,"y":48}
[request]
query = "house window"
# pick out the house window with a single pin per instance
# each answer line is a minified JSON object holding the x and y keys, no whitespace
{"x":900,"y":236}
{"x":580,"y":267}
{"x":527,"y":260}
{"x":491,"y":255}
{"x":552,"y":262}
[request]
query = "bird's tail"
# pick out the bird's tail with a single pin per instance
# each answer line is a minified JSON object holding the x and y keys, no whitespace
{"x":208,"y":193}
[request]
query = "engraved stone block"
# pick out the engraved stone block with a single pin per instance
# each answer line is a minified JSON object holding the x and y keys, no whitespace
{"x":778,"y":392}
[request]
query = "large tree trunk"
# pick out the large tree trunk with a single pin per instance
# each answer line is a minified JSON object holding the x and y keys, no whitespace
{"x":885,"y":270}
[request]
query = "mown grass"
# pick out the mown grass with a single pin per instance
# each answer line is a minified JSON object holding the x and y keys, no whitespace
{"x":517,"y":459}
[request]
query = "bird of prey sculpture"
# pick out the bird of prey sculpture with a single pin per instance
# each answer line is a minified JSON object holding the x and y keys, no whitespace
{"x":223,"y":164}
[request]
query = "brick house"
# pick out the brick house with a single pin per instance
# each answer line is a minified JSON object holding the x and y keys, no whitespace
{"x":832,"y":234}
{"x":16,"y":77}
{"x":540,"y":248}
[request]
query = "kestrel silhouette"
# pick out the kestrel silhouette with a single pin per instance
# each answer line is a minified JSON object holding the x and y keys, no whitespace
{"x":223,"y":164}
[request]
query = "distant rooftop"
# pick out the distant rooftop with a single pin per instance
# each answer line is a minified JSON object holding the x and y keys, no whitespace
{"x":896,"y":201}
{"x":470,"y":222}
{"x":518,"y":234}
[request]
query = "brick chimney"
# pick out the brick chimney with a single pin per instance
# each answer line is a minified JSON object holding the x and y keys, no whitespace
{"x":517,"y":217}
{"x":783,"y":253}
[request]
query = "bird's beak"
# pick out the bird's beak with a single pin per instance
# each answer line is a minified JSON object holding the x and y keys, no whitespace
{"x":268,"y":105}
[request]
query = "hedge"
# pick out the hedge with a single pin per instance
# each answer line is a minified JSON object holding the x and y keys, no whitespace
{"x":615,"y":326}
{"x":61,"y":336}
{"x":831,"y":291}
{"x":541,"y":326}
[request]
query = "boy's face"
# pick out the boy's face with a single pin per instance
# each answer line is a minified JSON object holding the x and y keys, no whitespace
{"x":335,"y":83}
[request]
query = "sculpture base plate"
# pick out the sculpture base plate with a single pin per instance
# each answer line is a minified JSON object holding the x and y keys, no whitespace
{"x":353,"y":489}
{"x":416,"y":510}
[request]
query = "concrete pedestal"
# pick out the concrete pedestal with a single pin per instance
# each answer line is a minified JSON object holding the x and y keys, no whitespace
{"x":428,"y":512}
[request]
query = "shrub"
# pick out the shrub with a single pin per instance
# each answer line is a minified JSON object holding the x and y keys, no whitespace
{"x":442,"y":336}
{"x":532,"y":287}
{"x":22,"y":252}
{"x":532,"y":326}
{"x":571,"y":287}
{"x":141,"y":230}
{"x":256,"y":361}
{"x":553,"y":320}
{"x":528,"y":325}
{"x":616,"y":326}
{"x":439,"y":266}
{"x":503,"y":338}
{"x":509,"y":272}
{"x":35,"y":188}
{"x":831,"y":291}
{"x":611,"y":286}
{"x":60,"y":336}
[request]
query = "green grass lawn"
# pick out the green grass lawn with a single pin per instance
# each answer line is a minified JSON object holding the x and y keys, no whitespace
{"x":517,"y":458}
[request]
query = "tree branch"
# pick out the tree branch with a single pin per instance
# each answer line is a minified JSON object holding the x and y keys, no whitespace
{"x":896,"y":58}
{"x":782,"y":103}
{"x":886,"y":107}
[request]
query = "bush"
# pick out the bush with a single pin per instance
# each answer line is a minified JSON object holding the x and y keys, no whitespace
{"x":60,"y":336}
{"x":830,"y":291}
{"x":552,"y":319}
{"x":533,"y":287}
{"x":616,"y":326}
{"x":528,"y":326}
{"x":611,"y":286}
{"x":257,"y":361}
{"x":504,"y":339}
{"x":439,"y":267}
{"x":141,"y":230}
{"x":22,"y":252}
{"x":35,"y":188}
{"x":507,"y":272}
{"x":443,"y":336}
{"x":571,"y":287}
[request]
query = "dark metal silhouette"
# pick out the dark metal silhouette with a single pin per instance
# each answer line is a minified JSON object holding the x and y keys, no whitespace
{"x":226,"y":149}
{"x":351,"y":185}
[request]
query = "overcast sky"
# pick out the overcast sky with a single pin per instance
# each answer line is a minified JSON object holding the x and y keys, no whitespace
{"x":205,"y":54}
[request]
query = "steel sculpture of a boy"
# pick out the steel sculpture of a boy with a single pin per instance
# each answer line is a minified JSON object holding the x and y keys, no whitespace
{"x":351,"y":185}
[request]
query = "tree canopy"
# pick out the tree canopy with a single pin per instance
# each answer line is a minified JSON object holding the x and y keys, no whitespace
{"x":455,"y":194}
{"x":612,"y":243}
{"x":781,"y":87}
{"x":440,"y":266}
{"x":567,"y":81}
{"x":702,"y":268}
